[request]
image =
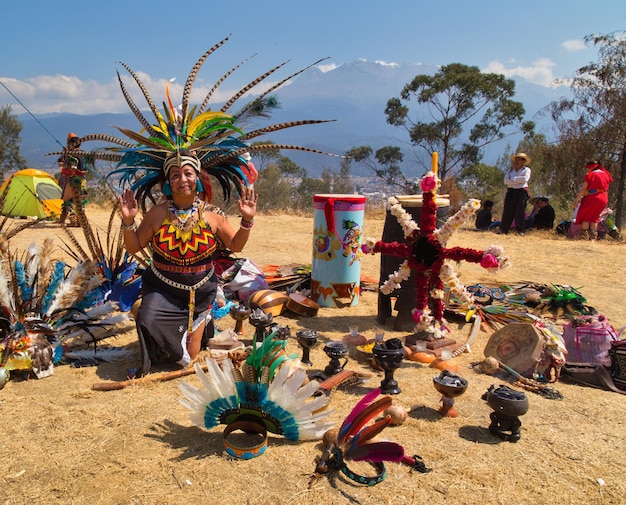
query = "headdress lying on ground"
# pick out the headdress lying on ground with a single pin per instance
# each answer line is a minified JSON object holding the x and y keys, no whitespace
{"x":44,"y":304}
{"x":266,"y":394}
{"x":216,"y":137}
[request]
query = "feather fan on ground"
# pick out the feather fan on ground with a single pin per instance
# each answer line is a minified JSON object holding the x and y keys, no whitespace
{"x":44,"y":304}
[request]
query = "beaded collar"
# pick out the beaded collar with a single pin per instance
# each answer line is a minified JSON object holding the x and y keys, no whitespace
{"x":183,"y":215}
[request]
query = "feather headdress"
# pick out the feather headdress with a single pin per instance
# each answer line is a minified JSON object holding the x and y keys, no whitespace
{"x":43,"y":304}
{"x":266,"y":393}
{"x":216,"y":137}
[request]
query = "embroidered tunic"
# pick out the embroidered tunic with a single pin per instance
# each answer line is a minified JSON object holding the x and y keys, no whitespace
{"x":172,"y":246}
{"x":181,"y":259}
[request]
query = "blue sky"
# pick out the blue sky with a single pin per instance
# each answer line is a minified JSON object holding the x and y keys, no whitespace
{"x":61,"y":56}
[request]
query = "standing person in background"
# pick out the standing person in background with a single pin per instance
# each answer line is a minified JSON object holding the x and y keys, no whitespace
{"x":516,"y":180}
{"x":593,"y":198}
{"x":72,"y":179}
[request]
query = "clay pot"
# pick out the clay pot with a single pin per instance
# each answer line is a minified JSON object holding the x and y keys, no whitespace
{"x":449,"y":384}
{"x":507,"y":401}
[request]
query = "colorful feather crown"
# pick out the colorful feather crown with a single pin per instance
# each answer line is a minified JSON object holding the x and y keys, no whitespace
{"x":217,"y":137}
{"x":266,"y":394}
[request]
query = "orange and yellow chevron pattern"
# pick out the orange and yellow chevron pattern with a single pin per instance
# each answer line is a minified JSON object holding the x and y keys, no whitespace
{"x":190,"y":247}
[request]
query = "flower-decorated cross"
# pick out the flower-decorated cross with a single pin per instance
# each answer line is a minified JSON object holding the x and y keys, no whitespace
{"x":425,"y":253}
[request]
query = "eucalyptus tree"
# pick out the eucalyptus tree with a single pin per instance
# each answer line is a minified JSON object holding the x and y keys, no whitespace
{"x":457,"y":112}
{"x":596,"y":112}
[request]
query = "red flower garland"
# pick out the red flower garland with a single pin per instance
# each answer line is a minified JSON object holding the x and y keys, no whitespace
{"x":425,"y":256}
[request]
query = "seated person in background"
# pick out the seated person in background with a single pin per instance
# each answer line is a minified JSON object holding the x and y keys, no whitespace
{"x":544,"y":217}
{"x":484,"y":216}
{"x":534,"y":201}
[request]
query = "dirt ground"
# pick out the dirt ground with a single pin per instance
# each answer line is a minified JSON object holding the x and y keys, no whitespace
{"x":64,"y":443}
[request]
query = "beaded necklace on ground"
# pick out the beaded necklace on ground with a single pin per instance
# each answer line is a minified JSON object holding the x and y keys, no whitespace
{"x":183,"y":215}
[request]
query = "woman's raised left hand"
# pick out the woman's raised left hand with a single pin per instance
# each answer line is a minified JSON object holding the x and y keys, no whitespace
{"x":247,"y":204}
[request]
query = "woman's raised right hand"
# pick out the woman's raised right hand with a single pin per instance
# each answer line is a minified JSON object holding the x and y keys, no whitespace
{"x":128,"y":206}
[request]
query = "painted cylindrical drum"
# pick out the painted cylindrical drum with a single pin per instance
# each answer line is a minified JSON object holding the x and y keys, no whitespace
{"x":337,"y":238}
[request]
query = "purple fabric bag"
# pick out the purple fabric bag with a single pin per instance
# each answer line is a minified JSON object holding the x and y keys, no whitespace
{"x":588,"y":340}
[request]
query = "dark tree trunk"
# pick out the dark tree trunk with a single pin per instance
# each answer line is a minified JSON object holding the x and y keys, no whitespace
{"x":621,"y":186}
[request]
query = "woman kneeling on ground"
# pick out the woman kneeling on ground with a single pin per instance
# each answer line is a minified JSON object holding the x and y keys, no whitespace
{"x":179,"y":288}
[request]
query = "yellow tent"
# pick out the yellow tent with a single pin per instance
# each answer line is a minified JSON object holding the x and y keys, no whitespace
{"x":31,"y":193}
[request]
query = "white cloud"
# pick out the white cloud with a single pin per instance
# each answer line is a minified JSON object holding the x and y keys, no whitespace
{"x":386,"y":64}
{"x":381,"y":62}
{"x":61,"y":93}
{"x":327,"y":68}
{"x":574,"y":45}
{"x":540,"y":72}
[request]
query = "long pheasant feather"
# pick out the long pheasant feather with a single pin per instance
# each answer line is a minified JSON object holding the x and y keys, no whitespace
{"x":146,"y":95}
{"x":250,"y":85}
{"x":215,"y":86}
{"x":194,"y":72}
{"x":134,"y":109}
{"x":282,"y":126}
{"x":103,"y":137}
{"x":46,"y":265}
{"x":279,"y":84}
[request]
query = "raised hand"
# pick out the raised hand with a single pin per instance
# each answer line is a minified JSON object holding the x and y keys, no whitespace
{"x":247,"y":204}
{"x":128,"y":206}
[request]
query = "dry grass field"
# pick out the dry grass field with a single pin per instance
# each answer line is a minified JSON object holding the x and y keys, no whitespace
{"x":64,"y":443}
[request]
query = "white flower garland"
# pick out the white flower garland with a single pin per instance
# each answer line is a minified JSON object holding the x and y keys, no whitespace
{"x":393,"y":281}
{"x":454,"y":222}
{"x":402,"y":216}
{"x":451,"y":281}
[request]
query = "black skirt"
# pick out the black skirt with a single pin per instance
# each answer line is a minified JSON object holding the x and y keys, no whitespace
{"x":163,"y":317}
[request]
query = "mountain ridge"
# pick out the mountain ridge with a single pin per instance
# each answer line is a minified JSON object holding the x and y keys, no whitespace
{"x":354,"y":94}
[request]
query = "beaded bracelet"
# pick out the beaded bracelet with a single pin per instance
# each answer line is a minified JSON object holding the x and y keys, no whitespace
{"x":246,"y":225}
{"x":130,"y":227}
{"x":372,"y":480}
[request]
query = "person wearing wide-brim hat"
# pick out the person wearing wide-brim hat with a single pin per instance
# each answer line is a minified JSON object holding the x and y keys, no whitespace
{"x":516,"y":180}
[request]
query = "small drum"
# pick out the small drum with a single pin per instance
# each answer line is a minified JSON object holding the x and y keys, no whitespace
{"x":337,"y":236}
{"x":269,"y":301}
{"x":302,"y":305}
